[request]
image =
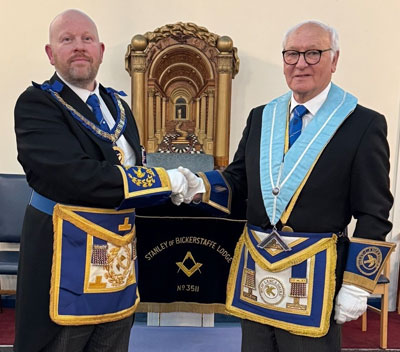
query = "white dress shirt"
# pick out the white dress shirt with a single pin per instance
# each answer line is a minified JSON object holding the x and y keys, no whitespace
{"x":313,"y":105}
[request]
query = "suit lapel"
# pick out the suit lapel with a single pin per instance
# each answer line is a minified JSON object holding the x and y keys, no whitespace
{"x":78,"y":104}
{"x":130,"y":133}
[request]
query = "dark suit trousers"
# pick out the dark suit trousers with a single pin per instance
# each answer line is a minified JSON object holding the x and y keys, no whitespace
{"x":106,"y":337}
{"x":264,"y":338}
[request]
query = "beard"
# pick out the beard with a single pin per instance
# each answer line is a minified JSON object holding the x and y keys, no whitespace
{"x":81,"y":78}
{"x":79,"y":75}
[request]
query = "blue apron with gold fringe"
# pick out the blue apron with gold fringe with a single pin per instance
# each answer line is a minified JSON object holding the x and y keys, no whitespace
{"x":94,"y":272}
{"x":287,"y":279}
{"x":292,"y":290}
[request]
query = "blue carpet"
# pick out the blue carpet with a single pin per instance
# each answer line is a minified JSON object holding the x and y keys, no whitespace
{"x":222,"y":338}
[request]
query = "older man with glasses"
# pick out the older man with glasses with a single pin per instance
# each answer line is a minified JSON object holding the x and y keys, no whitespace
{"x":307,"y":163}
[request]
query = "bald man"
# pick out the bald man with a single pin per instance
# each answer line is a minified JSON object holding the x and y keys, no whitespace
{"x":78,"y":144}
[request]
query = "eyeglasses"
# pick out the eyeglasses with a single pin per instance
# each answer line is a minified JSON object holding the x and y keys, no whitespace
{"x":312,"y":57}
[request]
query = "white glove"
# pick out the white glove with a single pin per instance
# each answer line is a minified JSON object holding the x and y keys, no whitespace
{"x":351,"y":303}
{"x":179,"y":186}
{"x":195,"y":184}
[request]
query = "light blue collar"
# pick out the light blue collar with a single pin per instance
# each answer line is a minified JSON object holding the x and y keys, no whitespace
{"x":281,"y":174}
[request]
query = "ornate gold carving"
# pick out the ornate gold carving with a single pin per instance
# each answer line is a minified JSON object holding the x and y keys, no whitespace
{"x":139,"y":42}
{"x":225,"y":63}
{"x":210,"y":93}
{"x":181,"y":30}
{"x":183,"y":56}
{"x":225,"y":44}
{"x":138,"y":63}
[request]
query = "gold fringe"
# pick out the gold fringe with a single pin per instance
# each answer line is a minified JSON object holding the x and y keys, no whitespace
{"x":330,"y":285}
{"x":291,"y":260}
{"x":187,"y":307}
{"x":58,"y":214}
{"x":373,"y":242}
{"x":233,"y":272}
{"x":95,"y":319}
{"x":292,"y":328}
{"x":361,"y":281}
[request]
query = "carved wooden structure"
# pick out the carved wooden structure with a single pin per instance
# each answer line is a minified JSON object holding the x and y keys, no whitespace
{"x":181,"y":77}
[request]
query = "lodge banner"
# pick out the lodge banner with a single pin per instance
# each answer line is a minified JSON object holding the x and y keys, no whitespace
{"x":184,"y":262}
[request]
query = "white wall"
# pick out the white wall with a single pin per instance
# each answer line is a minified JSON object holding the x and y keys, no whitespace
{"x":369,"y":64}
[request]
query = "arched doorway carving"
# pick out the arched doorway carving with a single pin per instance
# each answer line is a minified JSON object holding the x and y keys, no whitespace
{"x":181,"y":89}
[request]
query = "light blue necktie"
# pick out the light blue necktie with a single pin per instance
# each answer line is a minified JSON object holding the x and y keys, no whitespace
{"x":296,"y":123}
{"x":94,"y":102}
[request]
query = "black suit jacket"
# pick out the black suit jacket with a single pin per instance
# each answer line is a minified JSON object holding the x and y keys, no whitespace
{"x":350,"y":179}
{"x":68,"y":164}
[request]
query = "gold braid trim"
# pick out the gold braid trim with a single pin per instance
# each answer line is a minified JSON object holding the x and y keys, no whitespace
{"x":329,"y":292}
{"x":330,"y":285}
{"x":294,"y":259}
{"x":374,"y":243}
{"x":286,"y":214}
{"x":162,"y":174}
{"x":233,"y":273}
{"x":56,"y":275}
{"x":55,"y":268}
{"x":68,"y":320}
{"x":207,"y":194}
{"x":67,"y":213}
{"x":362,"y":281}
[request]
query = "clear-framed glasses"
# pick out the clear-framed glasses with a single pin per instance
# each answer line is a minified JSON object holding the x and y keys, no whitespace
{"x":312,"y":56}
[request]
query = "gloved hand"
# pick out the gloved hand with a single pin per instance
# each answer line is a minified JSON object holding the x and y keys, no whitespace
{"x":179,"y":186}
{"x":351,"y":303}
{"x":195,"y":184}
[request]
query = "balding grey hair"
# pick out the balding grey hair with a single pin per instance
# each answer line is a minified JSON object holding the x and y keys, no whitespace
{"x":334,"y":37}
